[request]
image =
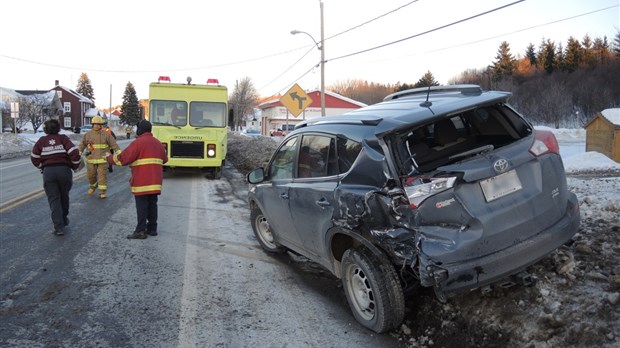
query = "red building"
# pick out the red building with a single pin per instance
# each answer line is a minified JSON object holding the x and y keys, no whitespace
{"x":274,"y":115}
{"x":74,"y":105}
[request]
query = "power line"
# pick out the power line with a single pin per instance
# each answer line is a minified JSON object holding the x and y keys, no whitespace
{"x":372,"y":20}
{"x":148,"y":71}
{"x":333,"y":36}
{"x":426,"y":32}
{"x":200,"y":67}
{"x":510,"y":33}
{"x":289,"y":68}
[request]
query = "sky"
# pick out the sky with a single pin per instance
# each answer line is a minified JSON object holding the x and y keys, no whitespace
{"x":115,"y":42}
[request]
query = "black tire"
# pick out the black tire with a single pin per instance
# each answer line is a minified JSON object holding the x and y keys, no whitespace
{"x":373,"y":290}
{"x":263,"y":233}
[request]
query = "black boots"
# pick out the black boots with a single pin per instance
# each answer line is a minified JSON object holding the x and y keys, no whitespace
{"x":137,"y":235}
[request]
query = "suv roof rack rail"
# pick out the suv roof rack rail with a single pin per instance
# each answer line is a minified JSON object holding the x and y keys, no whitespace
{"x":464,"y":89}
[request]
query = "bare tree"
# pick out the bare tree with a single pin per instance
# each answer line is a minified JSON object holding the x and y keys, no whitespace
{"x":243,"y":100}
{"x":362,"y":91}
{"x":36,"y":108}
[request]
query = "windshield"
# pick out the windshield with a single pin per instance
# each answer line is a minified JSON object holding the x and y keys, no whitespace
{"x":207,"y":114}
{"x":168,"y":112}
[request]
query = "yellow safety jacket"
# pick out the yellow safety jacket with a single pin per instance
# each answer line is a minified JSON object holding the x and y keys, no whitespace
{"x":98,"y":143}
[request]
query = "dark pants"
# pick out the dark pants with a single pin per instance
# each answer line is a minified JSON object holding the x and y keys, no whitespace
{"x":146,"y":208}
{"x":57,"y":182}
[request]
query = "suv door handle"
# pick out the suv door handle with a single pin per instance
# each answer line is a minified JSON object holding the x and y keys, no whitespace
{"x":284,"y":195}
{"x":323,"y":203}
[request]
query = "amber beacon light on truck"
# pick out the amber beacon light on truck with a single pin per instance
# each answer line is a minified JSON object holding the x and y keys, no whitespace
{"x":191,"y":122}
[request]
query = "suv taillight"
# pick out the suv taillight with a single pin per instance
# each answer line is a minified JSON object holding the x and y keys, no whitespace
{"x":544,"y":142}
{"x":420,"y":188}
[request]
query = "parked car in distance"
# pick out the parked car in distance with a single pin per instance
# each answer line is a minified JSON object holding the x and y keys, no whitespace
{"x":86,"y":128}
{"x":250,"y":132}
{"x":446,"y":187}
{"x":283,"y":130}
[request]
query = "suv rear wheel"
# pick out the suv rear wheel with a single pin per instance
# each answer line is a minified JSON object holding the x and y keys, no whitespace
{"x":373,"y":290}
{"x":262,"y":231}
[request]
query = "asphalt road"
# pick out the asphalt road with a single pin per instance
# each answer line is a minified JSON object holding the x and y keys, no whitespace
{"x":203,"y":281}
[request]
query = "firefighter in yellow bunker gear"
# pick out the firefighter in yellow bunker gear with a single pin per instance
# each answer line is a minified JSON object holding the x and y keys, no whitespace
{"x":96,"y":143}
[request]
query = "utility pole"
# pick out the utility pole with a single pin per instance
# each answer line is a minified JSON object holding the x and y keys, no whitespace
{"x":322,"y":63}
{"x":321,"y":47}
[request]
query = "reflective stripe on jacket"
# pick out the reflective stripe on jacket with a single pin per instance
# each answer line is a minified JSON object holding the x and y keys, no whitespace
{"x":146,"y":157}
{"x":101,"y":142}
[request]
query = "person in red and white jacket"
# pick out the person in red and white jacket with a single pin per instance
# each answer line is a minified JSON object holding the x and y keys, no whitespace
{"x":55,"y":155}
{"x":146,"y":157}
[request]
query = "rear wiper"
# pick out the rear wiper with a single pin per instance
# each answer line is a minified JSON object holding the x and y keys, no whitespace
{"x":476,"y":151}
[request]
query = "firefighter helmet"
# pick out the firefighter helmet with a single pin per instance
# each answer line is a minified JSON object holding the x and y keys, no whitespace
{"x":97,"y":120}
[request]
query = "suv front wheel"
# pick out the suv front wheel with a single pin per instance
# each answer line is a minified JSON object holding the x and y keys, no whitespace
{"x":373,"y":290}
{"x":263,"y":233}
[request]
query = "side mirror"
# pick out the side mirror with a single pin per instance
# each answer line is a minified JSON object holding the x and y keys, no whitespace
{"x":256,"y":176}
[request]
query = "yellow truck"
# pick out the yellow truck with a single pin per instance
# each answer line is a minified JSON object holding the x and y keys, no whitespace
{"x":190,"y":121}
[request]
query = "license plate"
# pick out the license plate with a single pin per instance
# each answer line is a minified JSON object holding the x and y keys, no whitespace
{"x":501,"y":185}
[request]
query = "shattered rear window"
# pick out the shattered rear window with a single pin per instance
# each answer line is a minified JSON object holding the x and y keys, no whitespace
{"x":456,"y":137}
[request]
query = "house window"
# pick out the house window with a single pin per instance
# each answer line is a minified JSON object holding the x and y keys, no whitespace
{"x":67,"y":121}
{"x":67,"y":107}
{"x":59,"y":93}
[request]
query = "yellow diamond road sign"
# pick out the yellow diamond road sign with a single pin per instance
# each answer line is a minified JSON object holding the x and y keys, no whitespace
{"x":295,"y":100}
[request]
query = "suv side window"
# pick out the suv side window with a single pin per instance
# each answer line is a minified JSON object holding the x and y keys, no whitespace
{"x":317,"y":157}
{"x":348,"y":150}
{"x":282,"y":165}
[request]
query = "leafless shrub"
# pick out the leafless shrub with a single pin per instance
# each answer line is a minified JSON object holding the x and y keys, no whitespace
{"x":247,"y":153}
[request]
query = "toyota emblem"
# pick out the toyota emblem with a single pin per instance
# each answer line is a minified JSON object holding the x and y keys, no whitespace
{"x":500,"y":165}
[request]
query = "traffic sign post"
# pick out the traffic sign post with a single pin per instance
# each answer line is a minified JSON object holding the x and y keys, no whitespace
{"x":295,"y":100}
{"x":15,"y":114}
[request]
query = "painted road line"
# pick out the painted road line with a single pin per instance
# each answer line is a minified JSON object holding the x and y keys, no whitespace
{"x":27,"y":197}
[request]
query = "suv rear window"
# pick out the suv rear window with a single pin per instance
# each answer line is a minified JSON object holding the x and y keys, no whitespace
{"x":439,"y":143}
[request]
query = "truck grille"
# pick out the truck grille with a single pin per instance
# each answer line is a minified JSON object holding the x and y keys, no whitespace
{"x":187,"y":149}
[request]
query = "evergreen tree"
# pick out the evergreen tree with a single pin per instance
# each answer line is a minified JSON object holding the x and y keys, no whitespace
{"x":572,"y":55}
{"x":530,"y":53}
{"x":616,"y":45}
{"x":504,"y":62}
{"x":130,"y":109}
{"x":559,"y":56}
{"x":600,"y":50}
{"x":85,"y":88}
{"x":589,"y":58}
{"x":426,"y":80}
{"x":546,"y":56}
{"x":402,"y":87}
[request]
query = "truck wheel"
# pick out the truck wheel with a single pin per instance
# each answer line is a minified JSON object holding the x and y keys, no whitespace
{"x":373,"y":290}
{"x":263,"y":233}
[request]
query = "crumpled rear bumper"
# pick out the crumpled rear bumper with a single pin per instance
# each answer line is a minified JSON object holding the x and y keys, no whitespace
{"x":450,"y":278}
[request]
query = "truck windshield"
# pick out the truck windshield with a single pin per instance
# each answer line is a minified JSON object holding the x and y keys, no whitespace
{"x":169,"y":112}
{"x":206,"y":114}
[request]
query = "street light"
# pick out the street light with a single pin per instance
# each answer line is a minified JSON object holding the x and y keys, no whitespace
{"x":321,"y":48}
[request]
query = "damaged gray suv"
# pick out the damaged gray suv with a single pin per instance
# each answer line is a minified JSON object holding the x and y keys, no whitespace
{"x":445,"y":187}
